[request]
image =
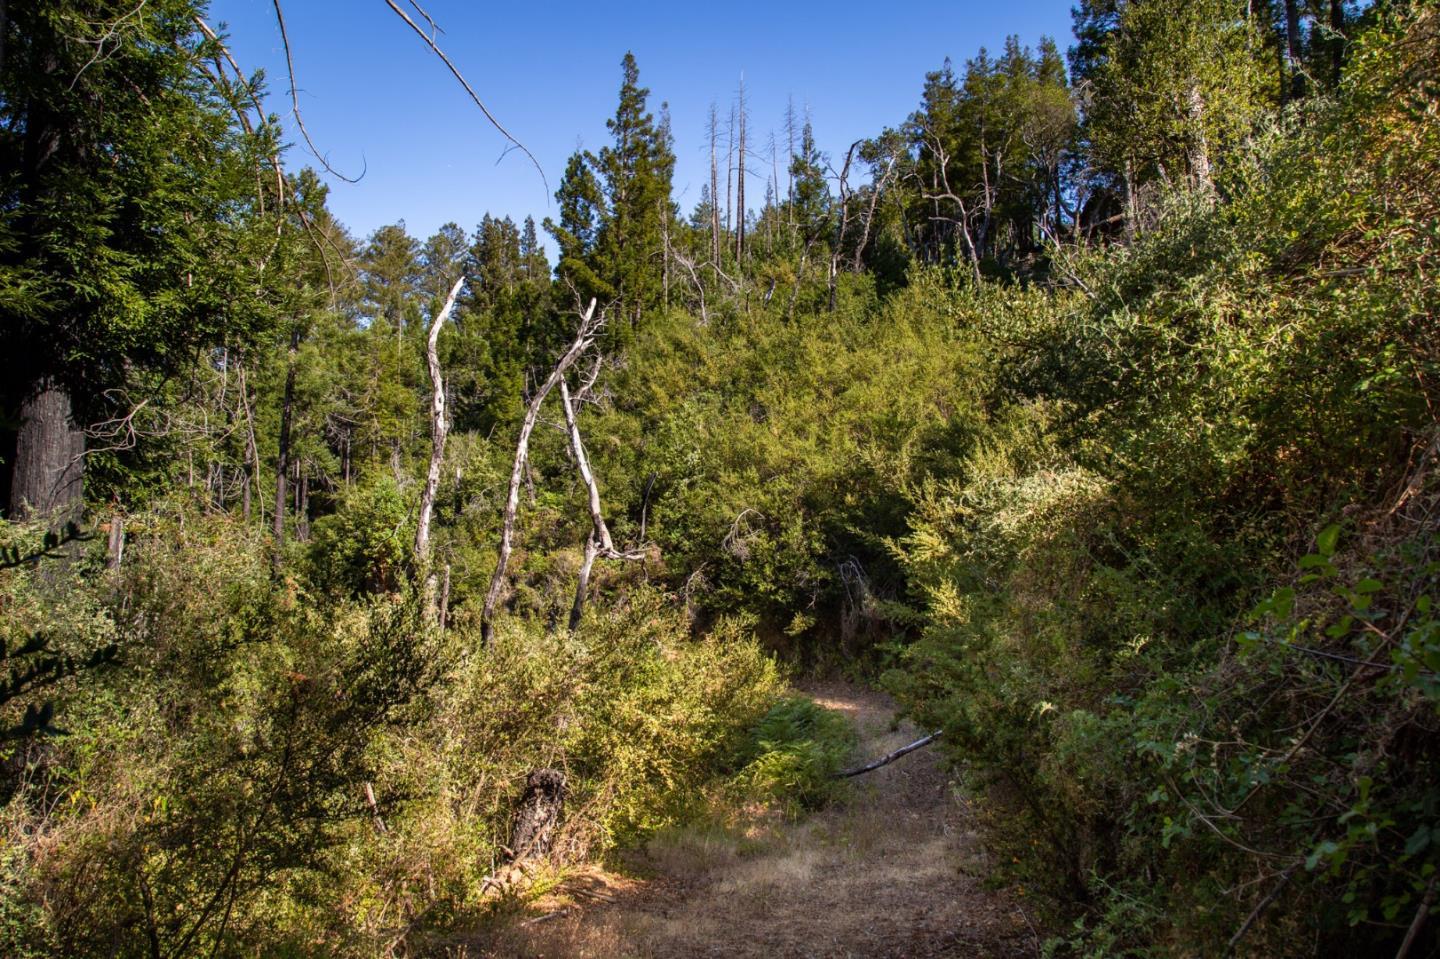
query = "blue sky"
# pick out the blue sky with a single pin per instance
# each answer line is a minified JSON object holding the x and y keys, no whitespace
{"x":375,"y":98}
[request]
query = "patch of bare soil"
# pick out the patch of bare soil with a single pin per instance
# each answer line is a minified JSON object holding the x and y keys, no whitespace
{"x":892,"y":868}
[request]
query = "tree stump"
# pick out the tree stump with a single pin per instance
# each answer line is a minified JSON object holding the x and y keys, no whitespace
{"x":537,"y":815}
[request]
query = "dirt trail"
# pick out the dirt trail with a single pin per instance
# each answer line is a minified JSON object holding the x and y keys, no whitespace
{"x":890,"y":869}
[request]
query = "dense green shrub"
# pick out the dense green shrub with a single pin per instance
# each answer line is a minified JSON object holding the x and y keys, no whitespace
{"x":211,"y":791}
{"x":1171,"y":434}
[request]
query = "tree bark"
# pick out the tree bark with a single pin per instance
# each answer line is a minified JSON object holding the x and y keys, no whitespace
{"x":1199,"y":143}
{"x":582,"y":582}
{"x":115,"y":551}
{"x":48,"y":479}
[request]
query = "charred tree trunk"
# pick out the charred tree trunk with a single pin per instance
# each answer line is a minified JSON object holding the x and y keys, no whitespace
{"x":49,"y":473}
{"x":537,"y":815}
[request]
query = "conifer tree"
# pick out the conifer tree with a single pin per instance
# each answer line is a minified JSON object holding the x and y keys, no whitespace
{"x":577,"y":232}
{"x":812,"y":206}
{"x":127,"y":189}
{"x":636,"y":170}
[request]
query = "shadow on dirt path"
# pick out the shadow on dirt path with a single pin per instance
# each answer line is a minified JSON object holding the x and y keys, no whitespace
{"x":891,"y":868}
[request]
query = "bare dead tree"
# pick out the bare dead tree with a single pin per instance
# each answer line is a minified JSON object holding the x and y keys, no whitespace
{"x":729,"y":168}
{"x":740,"y":180}
{"x":589,"y":329}
{"x":878,"y":186}
{"x":940,"y":191}
{"x":842,"y":180}
{"x":439,"y":429}
{"x":599,"y":543}
{"x":1199,"y":148}
{"x":790,"y":162}
{"x":689,"y":266}
{"x":714,"y":193}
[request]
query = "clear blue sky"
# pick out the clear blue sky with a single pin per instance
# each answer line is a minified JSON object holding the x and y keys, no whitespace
{"x":374,"y":97}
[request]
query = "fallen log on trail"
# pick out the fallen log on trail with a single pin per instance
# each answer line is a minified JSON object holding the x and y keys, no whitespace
{"x":891,"y":757}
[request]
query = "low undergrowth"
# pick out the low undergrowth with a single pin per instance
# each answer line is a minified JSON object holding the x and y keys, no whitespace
{"x":266,"y":766}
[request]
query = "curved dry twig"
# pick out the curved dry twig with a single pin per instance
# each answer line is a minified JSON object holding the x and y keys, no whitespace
{"x":295,"y":102}
{"x":430,"y":42}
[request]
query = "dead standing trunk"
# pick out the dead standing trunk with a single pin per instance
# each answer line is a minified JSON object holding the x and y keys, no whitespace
{"x":49,"y":473}
{"x":1199,"y":143}
{"x":582,"y":581}
{"x":714,"y":200}
{"x":740,"y":184}
{"x":439,"y":430}
{"x":599,"y":543}
{"x":584,"y":337}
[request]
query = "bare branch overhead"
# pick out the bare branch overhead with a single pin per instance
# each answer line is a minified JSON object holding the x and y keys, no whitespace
{"x":430,"y":42}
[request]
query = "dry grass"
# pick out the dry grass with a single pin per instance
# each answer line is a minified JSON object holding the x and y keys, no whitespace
{"x":886,"y":871}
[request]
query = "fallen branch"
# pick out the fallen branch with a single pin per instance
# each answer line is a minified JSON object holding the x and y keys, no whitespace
{"x":1259,"y":908}
{"x":891,"y":757}
{"x":548,"y":916}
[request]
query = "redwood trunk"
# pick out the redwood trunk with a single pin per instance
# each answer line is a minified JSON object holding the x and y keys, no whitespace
{"x":49,"y":471}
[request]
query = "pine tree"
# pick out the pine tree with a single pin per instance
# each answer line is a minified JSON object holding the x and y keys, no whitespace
{"x":577,"y":232}
{"x":636,"y":169}
{"x":814,"y":216}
